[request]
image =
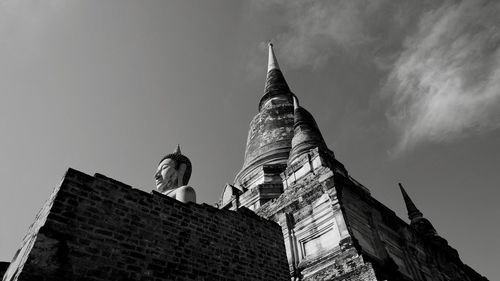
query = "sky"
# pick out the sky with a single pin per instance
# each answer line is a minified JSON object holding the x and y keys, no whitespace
{"x":403,"y":91}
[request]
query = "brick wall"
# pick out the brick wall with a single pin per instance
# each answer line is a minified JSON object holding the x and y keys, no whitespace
{"x":95,"y":228}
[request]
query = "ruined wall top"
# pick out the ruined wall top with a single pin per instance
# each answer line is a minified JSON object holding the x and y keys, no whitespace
{"x":96,"y":228}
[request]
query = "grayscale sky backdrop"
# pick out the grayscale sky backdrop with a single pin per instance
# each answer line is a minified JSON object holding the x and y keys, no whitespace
{"x":404,"y":91}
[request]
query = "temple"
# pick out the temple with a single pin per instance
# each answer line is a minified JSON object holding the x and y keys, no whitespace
{"x":333,"y":228}
{"x":293,"y":212}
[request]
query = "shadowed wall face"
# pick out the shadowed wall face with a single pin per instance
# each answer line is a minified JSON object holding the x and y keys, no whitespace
{"x":95,"y":228}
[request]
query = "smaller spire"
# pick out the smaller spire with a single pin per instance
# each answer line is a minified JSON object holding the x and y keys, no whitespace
{"x":417,"y":220}
{"x":413,"y":212}
{"x":306,"y":133}
{"x":272,"y":62}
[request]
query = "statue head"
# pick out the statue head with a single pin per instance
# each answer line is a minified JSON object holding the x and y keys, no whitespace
{"x":174,"y":170}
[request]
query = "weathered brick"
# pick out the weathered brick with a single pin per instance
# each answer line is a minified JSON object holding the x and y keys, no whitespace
{"x":112,"y":231}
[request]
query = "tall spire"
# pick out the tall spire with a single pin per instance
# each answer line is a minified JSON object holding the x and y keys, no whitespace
{"x":271,"y":129}
{"x":275,"y":81}
{"x":413,"y":212}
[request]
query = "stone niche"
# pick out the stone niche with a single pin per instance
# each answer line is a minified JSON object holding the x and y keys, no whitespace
{"x":96,"y":228}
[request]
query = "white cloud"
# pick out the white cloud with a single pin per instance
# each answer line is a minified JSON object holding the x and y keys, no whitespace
{"x":315,"y":31}
{"x":442,"y":57}
{"x":319,"y":27}
{"x":446,"y":82}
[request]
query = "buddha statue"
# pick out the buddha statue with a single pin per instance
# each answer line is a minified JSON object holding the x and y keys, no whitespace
{"x":172,"y":177}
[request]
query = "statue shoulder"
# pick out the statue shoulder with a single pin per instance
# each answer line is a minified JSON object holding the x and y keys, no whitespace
{"x":186,"y":194}
{"x":186,"y":188}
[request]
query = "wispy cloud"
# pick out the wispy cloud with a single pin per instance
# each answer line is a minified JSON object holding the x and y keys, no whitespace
{"x":441,"y":58}
{"x":315,"y":31}
{"x":317,"y":28}
{"x":446,"y":82}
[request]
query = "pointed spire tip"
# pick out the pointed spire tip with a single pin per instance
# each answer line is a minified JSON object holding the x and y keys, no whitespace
{"x":413,"y":211}
{"x":272,"y":61}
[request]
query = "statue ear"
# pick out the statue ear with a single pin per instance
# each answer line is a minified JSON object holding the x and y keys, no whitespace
{"x":180,"y":174}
